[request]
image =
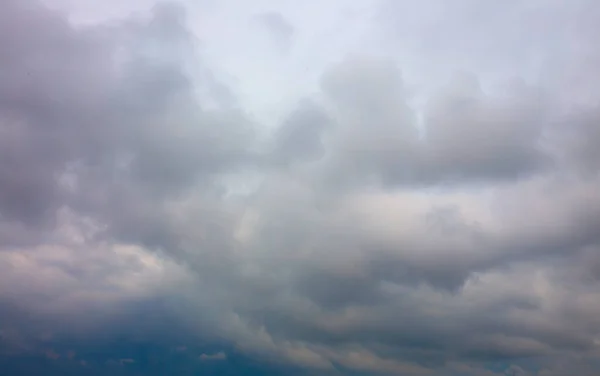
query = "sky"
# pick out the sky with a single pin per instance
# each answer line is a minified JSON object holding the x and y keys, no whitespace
{"x":329,"y":188}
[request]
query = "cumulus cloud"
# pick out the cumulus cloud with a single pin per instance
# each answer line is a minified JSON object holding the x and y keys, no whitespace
{"x":386,"y":224}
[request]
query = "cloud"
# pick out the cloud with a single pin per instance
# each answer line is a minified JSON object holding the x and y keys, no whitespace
{"x":279,"y":29}
{"x":380,"y":226}
{"x":218,"y":356}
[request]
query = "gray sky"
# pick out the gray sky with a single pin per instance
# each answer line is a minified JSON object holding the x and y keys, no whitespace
{"x":335,"y":187}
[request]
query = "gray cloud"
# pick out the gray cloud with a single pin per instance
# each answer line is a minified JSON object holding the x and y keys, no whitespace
{"x":300,"y":136}
{"x":467,"y":135}
{"x":364,"y":234}
{"x":119,"y":126}
{"x":279,"y":28}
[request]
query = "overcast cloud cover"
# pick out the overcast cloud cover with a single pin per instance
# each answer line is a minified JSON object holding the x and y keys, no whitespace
{"x":366,"y":187}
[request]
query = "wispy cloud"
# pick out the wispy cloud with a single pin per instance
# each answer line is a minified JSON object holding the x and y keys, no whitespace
{"x":217,"y":356}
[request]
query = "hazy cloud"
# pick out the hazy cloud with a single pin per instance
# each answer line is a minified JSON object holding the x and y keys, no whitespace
{"x":218,"y":356}
{"x":279,"y":29}
{"x":386,"y":222}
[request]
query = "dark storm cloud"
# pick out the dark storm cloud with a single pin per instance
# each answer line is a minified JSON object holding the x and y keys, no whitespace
{"x":368,"y":239}
{"x":141,"y":339}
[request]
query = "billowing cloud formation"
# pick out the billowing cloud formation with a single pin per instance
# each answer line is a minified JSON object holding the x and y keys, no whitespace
{"x":148,"y":217}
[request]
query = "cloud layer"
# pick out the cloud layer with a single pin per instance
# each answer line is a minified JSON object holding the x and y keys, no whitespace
{"x":367,"y":223}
